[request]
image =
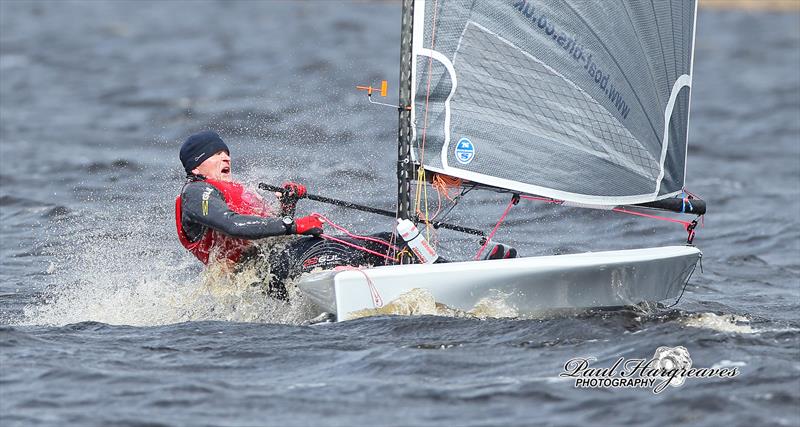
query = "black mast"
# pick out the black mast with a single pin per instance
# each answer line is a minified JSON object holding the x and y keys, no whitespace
{"x":404,"y":165}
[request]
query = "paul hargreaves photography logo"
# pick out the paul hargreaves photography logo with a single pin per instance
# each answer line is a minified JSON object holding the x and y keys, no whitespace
{"x":669,"y":366}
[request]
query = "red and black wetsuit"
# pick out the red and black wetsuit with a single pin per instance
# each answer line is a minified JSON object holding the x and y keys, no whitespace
{"x":217,"y":220}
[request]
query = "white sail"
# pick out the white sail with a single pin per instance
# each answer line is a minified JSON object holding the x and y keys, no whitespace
{"x":583,"y":101}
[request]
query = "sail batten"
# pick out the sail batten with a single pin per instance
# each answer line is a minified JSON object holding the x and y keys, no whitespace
{"x":581,"y":101}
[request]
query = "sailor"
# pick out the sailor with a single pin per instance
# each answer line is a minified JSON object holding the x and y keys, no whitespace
{"x":216,"y":217}
{"x":217,"y":220}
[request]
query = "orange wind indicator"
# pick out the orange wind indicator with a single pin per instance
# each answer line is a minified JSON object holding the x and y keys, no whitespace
{"x":382,"y":90}
{"x":369,"y":89}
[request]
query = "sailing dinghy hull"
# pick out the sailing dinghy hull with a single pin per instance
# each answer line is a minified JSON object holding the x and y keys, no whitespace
{"x":528,"y":285}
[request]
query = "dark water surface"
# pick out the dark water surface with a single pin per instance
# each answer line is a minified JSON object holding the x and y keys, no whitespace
{"x":104,"y":321}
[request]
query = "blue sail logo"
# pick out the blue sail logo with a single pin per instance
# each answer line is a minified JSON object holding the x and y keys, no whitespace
{"x":465,"y":151}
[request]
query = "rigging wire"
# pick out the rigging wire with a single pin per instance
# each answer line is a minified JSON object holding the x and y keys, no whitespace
{"x":514,"y":201}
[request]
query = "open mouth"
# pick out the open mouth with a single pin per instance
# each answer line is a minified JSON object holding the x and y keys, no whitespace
{"x":226,"y":170}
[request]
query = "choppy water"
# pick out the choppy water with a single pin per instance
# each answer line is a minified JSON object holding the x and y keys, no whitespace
{"x":106,"y":321}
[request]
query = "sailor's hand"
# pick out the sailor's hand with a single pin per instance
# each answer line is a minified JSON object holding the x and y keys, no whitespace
{"x":308,"y":225}
{"x":294,"y":190}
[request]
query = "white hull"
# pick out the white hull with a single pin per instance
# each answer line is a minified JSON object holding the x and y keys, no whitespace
{"x":531,"y":285}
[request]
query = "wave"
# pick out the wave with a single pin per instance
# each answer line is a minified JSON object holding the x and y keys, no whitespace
{"x":8,"y":200}
{"x":114,"y":165}
{"x":27,"y":206}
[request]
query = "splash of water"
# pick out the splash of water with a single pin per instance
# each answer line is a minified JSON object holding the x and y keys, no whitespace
{"x":722,"y":323}
{"x":216,"y":294}
{"x":120,"y":268}
{"x":495,"y":305}
{"x":420,"y":302}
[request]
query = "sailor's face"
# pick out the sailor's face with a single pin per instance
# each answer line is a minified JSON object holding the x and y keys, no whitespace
{"x":216,"y":167}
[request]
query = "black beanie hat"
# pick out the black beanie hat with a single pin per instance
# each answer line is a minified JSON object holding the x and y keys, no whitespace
{"x":200,"y":147}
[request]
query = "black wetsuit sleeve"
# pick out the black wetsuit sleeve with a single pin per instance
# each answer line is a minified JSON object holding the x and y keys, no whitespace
{"x":216,"y":214}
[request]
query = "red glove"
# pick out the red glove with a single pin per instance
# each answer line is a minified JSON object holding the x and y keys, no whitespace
{"x":295,"y":190}
{"x":292,"y":192}
{"x":309,"y":225}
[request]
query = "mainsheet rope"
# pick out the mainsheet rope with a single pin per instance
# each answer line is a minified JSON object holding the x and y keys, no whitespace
{"x":377,"y":300}
{"x":355,"y":236}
